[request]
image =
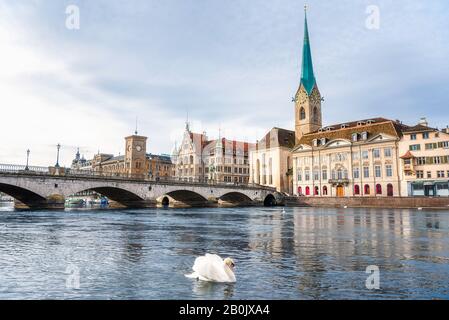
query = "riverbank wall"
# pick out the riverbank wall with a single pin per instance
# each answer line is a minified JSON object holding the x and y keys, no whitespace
{"x":369,"y":202}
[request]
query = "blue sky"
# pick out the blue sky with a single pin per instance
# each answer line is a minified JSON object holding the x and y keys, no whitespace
{"x":231,"y":64}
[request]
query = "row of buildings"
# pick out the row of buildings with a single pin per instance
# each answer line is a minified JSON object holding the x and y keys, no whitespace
{"x":363,"y":158}
{"x":197,"y":159}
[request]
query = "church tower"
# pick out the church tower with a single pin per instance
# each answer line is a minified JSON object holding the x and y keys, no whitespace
{"x":308,"y":98}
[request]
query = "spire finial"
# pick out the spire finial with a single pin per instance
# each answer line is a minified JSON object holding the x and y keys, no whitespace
{"x":136,"y":132}
{"x":305,"y":7}
{"x":187,"y":120}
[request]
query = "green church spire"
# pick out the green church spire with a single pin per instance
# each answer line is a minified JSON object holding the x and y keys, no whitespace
{"x":307,"y":76}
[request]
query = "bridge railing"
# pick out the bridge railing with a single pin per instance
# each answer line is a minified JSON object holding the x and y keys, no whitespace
{"x":14,"y":168}
{"x":76,"y":173}
{"x":162,"y":179}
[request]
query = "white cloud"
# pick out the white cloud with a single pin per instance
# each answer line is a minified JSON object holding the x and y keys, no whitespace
{"x":232,"y":65}
{"x":45,"y":101}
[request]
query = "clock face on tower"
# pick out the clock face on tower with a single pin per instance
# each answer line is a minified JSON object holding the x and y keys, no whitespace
{"x":138,"y":148}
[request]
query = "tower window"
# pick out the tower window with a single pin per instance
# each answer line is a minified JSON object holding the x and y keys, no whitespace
{"x":315,"y":115}
{"x":302,"y":114}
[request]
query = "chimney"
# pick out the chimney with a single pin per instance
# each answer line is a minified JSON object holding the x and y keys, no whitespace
{"x":423,"y":122}
{"x":446,"y":130}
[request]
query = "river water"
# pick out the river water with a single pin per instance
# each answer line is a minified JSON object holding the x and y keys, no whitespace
{"x":302,"y":253}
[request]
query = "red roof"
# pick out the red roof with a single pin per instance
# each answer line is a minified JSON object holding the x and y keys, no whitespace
{"x":408,"y":155}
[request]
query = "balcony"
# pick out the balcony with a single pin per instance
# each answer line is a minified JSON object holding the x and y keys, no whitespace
{"x":339,"y":181}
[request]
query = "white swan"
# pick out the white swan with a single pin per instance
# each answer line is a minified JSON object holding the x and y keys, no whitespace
{"x":213,"y":268}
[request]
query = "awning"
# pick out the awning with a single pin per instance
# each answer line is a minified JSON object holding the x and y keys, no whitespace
{"x":423,"y":183}
{"x":429,"y":183}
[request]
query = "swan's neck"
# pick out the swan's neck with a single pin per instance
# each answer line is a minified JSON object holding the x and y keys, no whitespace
{"x":229,"y":271}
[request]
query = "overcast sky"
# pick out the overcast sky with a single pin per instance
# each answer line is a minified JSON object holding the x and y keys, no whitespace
{"x":232,"y":64}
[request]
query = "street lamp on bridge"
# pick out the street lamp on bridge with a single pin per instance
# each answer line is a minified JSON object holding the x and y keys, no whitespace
{"x":57,"y":157}
{"x":28,"y":158}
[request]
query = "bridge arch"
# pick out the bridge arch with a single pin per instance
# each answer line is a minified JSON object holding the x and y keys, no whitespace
{"x":29,"y":198}
{"x":187,"y":198}
{"x":269,"y":201}
{"x":235,"y":198}
{"x":165,"y":202}
{"x":120,"y":195}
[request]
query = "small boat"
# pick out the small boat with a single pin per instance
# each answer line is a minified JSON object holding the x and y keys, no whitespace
{"x":102,"y":202}
{"x":75,"y":203}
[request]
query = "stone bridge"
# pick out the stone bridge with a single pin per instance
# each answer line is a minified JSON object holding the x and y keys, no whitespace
{"x":42,"y":190}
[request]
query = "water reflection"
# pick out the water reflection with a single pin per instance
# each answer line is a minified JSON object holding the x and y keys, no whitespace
{"x":302,"y":253}
{"x":210,"y":290}
{"x":329,"y":244}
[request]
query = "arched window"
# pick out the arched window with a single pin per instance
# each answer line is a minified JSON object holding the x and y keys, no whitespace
{"x":315,"y":115}
{"x":307,"y":191}
{"x":390,"y":189}
{"x":317,"y":191}
{"x":378,"y":189}
{"x":302,"y":114}
{"x":356,"y":189}
{"x":367,"y":191}
{"x":324,"y":191}
{"x":299,"y":190}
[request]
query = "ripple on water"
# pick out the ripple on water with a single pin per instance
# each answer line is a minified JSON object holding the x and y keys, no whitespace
{"x":304,"y":253}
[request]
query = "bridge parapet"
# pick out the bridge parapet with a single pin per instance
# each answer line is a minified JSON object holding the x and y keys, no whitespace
{"x":14,"y":168}
{"x":98,"y":175}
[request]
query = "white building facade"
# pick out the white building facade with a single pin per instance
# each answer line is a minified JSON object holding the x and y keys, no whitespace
{"x":199,"y":159}
{"x":357,"y":159}
{"x":425,"y":161}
